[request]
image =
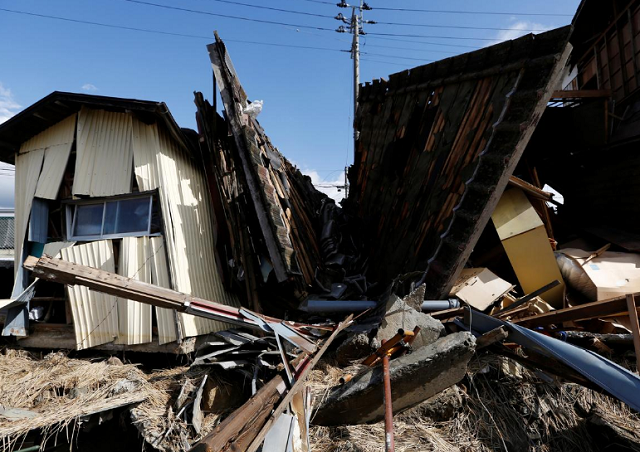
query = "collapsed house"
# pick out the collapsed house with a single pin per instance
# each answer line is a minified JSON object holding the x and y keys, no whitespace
{"x":115,"y":184}
{"x":447,"y":214}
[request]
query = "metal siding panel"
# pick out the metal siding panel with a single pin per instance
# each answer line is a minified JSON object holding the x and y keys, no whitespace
{"x":134,"y":318}
{"x":187,"y":216}
{"x":60,"y":133}
{"x":95,"y":314}
{"x":55,"y":163}
{"x":104,"y":158}
{"x":166,"y":318}
{"x":28,"y":166}
{"x":53,"y":248}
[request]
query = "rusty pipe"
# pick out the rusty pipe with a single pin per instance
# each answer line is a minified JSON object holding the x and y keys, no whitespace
{"x":389,"y":442}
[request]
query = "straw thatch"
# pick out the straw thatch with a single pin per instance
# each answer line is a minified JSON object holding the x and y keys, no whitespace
{"x":505,"y":407}
{"x":56,"y":392}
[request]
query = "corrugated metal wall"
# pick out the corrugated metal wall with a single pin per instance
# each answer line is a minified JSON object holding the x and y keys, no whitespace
{"x":32,"y":179}
{"x":134,"y":318}
{"x":107,"y":145}
{"x":161,"y":163}
{"x":104,"y":160}
{"x":95,"y":314}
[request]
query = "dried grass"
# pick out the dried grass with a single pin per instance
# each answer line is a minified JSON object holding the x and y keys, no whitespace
{"x":501,"y":410}
{"x":59,"y":391}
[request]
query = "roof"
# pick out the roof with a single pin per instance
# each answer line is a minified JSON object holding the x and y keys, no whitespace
{"x":591,"y":19}
{"x":58,"y":105}
{"x":437,"y":145}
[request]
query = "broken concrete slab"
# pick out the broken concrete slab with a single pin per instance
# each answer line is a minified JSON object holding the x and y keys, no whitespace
{"x":414,"y":378}
{"x":355,"y":347}
{"x":401,"y":315}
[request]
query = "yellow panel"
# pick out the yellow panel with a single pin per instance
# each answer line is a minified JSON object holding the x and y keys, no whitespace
{"x":514,"y":214}
{"x":134,"y":318}
{"x":60,"y":133}
{"x":95,"y":314}
{"x":535,"y":265}
{"x":104,"y":159}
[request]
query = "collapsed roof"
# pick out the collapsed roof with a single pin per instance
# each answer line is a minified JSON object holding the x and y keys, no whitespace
{"x":437,"y":145}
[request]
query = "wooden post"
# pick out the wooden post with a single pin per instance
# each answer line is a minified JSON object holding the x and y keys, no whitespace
{"x":635,"y":328}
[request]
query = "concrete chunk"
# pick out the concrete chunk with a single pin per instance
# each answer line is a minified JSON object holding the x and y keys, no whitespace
{"x":414,"y":378}
{"x":401,"y":315}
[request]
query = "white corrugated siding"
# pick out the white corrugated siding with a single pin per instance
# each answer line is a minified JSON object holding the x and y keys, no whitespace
{"x":134,"y":318}
{"x":104,"y":160}
{"x":28,"y":166}
{"x":60,"y":133}
{"x":161,"y":163}
{"x":56,"y":156}
{"x":53,"y":248}
{"x":95,"y":314}
{"x":166,"y":318}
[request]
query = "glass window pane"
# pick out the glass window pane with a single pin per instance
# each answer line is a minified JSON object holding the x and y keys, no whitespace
{"x":110,"y":218}
{"x":88,"y":220}
{"x":132,"y":216}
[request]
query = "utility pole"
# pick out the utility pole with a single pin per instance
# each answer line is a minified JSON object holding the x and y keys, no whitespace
{"x":355,"y":55}
{"x":354,"y":26}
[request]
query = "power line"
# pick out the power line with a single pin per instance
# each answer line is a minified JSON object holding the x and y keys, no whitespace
{"x":146,"y":30}
{"x":320,"y":1}
{"x":377,"y":46}
{"x":423,"y":42}
{"x":486,"y":13}
{"x":226,"y":16}
{"x":461,"y":27}
{"x":397,"y":57}
{"x":427,"y":36}
{"x":272,"y":8}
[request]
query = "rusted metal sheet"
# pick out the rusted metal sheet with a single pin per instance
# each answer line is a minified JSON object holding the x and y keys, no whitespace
{"x":437,"y":145}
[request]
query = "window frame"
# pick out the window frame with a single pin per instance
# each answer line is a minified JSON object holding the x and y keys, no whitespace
{"x":71,"y":207}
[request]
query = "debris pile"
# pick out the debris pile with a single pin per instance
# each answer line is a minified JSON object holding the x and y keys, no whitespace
{"x":450,"y":303}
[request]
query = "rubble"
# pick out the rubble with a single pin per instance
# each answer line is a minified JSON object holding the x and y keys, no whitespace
{"x":414,"y":378}
{"x":313,"y":329}
{"x":401,"y":316}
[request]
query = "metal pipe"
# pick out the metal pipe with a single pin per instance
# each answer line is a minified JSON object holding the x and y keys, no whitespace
{"x":389,"y":442}
{"x":440,"y":305}
{"x":336,"y":306}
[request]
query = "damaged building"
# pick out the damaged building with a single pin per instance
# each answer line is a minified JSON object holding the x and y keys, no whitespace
{"x":451,"y":293}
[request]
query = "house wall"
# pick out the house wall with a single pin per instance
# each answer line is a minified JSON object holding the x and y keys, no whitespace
{"x":111,"y":149}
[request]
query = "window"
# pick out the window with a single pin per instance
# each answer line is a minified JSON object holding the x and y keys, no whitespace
{"x":112,"y":218}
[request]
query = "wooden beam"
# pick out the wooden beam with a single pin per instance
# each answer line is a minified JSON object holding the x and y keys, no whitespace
{"x":497,"y":335}
{"x":61,"y":336}
{"x":635,"y":327}
{"x":581,"y":94}
{"x":300,"y":378}
{"x":596,"y":309}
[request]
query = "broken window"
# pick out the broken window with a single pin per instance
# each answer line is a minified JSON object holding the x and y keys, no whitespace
{"x":97,"y":219}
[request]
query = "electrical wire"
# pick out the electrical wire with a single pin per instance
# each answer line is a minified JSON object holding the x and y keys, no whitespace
{"x":146,"y":30}
{"x":397,"y":57}
{"x":227,"y":16}
{"x":272,"y":8}
{"x":486,"y":13}
{"x":425,"y":36}
{"x":461,"y":27}
{"x":462,"y":46}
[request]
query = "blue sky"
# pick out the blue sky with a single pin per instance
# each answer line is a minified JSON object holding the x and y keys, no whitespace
{"x":307,"y":93}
